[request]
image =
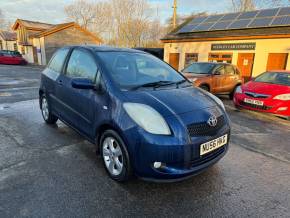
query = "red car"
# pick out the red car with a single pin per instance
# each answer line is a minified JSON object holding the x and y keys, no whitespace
{"x":269,"y":92}
{"x":6,"y":58}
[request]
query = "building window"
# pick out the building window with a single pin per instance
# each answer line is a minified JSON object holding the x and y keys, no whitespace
{"x":190,"y":58}
{"x":220,"y":57}
{"x":15,"y":46}
{"x":1,"y":45}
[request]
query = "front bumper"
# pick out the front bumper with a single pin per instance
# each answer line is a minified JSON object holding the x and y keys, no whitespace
{"x":271,"y":106}
{"x":180,"y":159}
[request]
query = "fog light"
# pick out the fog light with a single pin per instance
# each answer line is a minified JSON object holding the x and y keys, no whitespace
{"x":157,"y":165}
{"x":282,"y":108}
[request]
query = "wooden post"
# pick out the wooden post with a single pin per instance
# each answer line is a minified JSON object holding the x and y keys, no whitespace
{"x":174,"y":13}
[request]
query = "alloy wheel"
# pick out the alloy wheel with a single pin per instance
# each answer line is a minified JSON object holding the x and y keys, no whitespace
{"x":44,"y":108}
{"x":113,"y":156}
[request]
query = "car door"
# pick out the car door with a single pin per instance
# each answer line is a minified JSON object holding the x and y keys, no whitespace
{"x":218,"y":79}
{"x":231,"y":78}
{"x":49,"y":78}
{"x":78,"y":105}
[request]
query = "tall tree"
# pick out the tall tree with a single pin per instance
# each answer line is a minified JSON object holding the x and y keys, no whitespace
{"x":243,"y":5}
{"x":82,"y":12}
{"x":248,"y":5}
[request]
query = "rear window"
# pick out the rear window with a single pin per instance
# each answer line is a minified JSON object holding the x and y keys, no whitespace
{"x":274,"y":78}
{"x":57,"y":60}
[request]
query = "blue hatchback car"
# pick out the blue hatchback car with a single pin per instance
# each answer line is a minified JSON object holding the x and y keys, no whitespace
{"x":145,"y":118}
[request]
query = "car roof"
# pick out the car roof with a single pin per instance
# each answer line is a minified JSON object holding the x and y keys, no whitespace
{"x":96,"y":48}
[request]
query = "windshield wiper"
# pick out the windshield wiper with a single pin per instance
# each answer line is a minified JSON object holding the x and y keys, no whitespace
{"x":154,"y":84}
{"x":180,"y":82}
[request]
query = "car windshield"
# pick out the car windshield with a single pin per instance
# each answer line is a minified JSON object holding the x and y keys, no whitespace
{"x":199,"y":68}
{"x":274,"y":78}
{"x":134,"y":70}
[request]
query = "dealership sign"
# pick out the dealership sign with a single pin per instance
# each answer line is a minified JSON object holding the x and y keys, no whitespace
{"x":233,"y":46}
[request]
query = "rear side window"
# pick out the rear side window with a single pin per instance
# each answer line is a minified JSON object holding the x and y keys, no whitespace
{"x":220,"y":70}
{"x":82,"y":65}
{"x":57,"y":60}
{"x":229,"y":70}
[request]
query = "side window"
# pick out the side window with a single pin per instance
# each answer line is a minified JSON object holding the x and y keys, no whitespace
{"x":220,"y":70}
{"x":229,"y":70}
{"x":81,"y":64}
{"x":57,"y":60}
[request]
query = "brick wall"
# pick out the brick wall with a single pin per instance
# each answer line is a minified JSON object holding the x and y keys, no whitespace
{"x":69,"y":36}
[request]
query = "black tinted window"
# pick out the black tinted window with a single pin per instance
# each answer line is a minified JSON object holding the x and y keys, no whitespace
{"x":57,"y":60}
{"x":81,"y":64}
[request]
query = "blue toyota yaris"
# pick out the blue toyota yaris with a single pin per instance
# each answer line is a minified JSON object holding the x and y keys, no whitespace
{"x":145,"y":118}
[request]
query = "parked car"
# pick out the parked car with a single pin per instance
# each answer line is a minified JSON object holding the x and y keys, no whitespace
{"x":269,"y":92}
{"x":14,"y":53}
{"x":145,"y":118}
{"x":217,"y":78}
{"x":6,"y":58}
{"x":157,"y":52}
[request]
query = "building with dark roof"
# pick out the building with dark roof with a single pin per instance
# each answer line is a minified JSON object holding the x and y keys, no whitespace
{"x":38,"y":41}
{"x":8,"y":41}
{"x":255,"y":41}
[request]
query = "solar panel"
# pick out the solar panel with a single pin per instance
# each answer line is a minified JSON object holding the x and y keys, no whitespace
{"x":203,"y":27}
{"x":268,"y":12}
{"x":214,"y":18}
{"x":240,"y":20}
{"x":197,"y":20}
{"x":261,"y":22}
{"x":247,"y":15}
{"x":284,"y":11}
{"x":186,"y":28}
{"x":221,"y":25}
{"x":230,"y":16}
{"x":240,"y":24}
{"x":285,"y":20}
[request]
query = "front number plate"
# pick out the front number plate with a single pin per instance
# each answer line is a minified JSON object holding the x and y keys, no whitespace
{"x":213,"y":145}
{"x":256,"y":102}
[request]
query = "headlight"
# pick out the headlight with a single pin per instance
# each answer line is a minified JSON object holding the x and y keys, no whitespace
{"x":283,"y":97}
{"x":192,"y":79}
{"x":239,"y":90}
{"x":147,"y":118}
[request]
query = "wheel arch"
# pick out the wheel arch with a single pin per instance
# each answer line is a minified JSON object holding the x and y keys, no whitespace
{"x":205,"y":84}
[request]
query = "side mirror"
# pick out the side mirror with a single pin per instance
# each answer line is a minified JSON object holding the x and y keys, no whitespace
{"x":82,"y":83}
{"x":217,"y":73}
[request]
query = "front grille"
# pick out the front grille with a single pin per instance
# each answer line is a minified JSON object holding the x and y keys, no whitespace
{"x":203,"y":129}
{"x":260,"y":107}
{"x":256,"y":95}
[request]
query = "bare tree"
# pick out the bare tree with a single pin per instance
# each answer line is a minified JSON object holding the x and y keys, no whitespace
{"x":249,"y":5}
{"x":81,"y":11}
{"x":125,"y":23}
{"x":243,"y":5}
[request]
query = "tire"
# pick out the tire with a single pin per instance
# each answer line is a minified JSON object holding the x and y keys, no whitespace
{"x":115,"y":156}
{"x":204,"y":87}
{"x":48,"y":117}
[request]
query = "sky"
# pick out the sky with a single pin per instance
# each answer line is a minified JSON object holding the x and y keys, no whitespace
{"x":51,"y":11}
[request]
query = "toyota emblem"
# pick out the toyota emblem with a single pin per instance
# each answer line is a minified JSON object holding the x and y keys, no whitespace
{"x":212,"y":121}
